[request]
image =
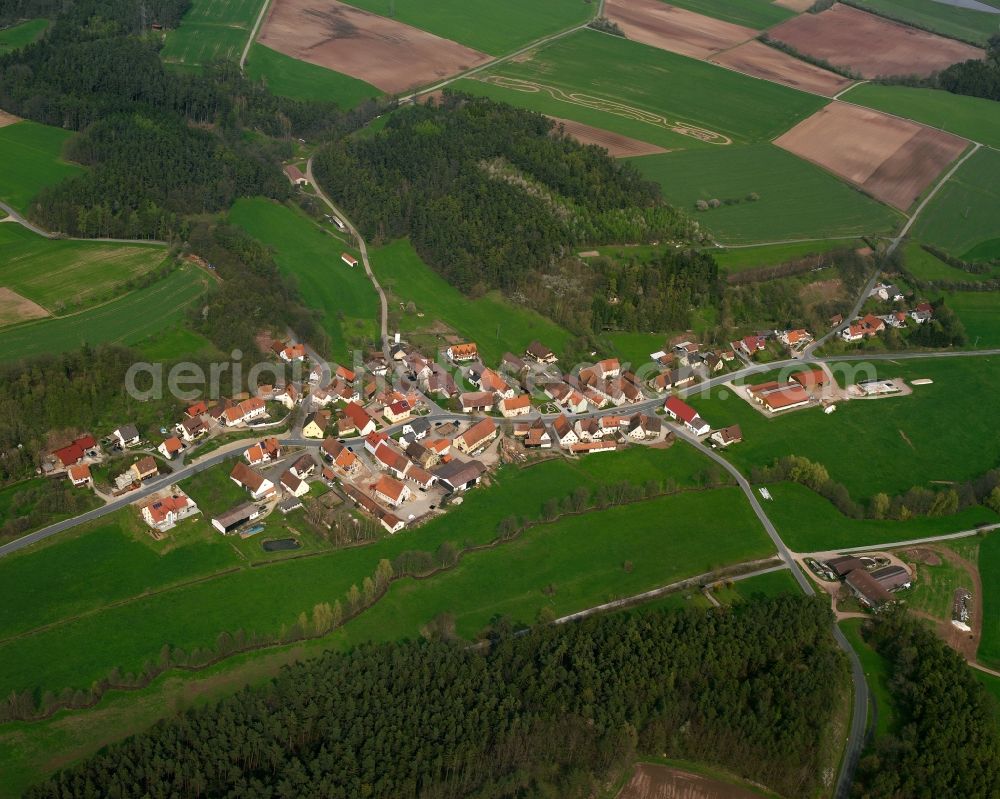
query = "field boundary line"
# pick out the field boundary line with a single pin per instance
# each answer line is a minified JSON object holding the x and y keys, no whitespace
{"x":253,"y":33}
{"x":987,"y":528}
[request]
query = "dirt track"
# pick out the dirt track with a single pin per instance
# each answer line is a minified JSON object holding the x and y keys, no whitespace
{"x":892,"y":159}
{"x":618,"y":146}
{"x":757,"y":59}
{"x":870,"y":45}
{"x":678,"y":30}
{"x":387,"y":54}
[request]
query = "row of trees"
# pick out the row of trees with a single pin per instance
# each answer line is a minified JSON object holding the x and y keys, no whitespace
{"x":552,"y":713}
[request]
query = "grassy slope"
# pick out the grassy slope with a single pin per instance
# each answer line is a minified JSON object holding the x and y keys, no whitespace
{"x":776,"y":583}
{"x":980,"y":313}
{"x":211,"y":30}
{"x":972,"y":117}
{"x":989,"y":572}
{"x":925,"y":266}
{"x":877,"y":672}
{"x":60,"y":273}
{"x":303,"y":250}
{"x":964,"y":212}
{"x":797,"y":200}
{"x":758,"y":14}
{"x":744,"y":258}
{"x":679,"y":88}
{"x":485,"y":25}
{"x":492,"y":321}
{"x":262,"y":599}
{"x":31,"y":158}
{"x":867,"y":431}
{"x":128,"y":320}
{"x":827,"y":529}
{"x":290,"y":77}
{"x":17,"y":36}
{"x":944,"y":18}
{"x":581,"y":558}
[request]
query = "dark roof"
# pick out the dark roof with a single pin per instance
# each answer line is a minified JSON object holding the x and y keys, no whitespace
{"x":869,"y":588}
{"x":237,"y":515}
{"x":128,"y":431}
{"x":891,"y":577}
{"x":457,"y":473}
{"x":844,"y":565}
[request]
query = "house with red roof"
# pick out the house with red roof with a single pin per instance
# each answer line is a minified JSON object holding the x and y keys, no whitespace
{"x":678,"y":410}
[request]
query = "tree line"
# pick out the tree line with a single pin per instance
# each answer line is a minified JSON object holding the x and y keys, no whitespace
{"x":555,"y":712}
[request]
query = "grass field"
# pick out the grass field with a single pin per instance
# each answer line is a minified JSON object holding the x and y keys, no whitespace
{"x":63,"y":275}
{"x":211,"y":30}
{"x":17,"y":36}
{"x":796,"y":199}
{"x":652,"y":81}
{"x":963,"y":214}
{"x":757,"y":14}
{"x":941,"y":17}
{"x":345,"y":296}
{"x":492,"y":321}
{"x":214,"y":492}
{"x":299,"y":80}
{"x":494,"y":28}
{"x":744,"y":258}
{"x":902,"y":435}
{"x":828,"y":529}
{"x":131,"y":319}
{"x":772,"y":584}
{"x":31,"y":155}
{"x":972,"y":117}
{"x":980,"y":313}
{"x":176,"y":342}
{"x":925,"y":266}
{"x":262,"y":599}
{"x":989,"y":572}
{"x":877,"y":673}
{"x":933,"y":590}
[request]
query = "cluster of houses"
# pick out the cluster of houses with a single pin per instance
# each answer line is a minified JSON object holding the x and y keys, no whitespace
{"x":873,"y":587}
{"x":870,"y":325}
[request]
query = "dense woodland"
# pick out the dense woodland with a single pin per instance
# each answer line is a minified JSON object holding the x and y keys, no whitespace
{"x":551,"y":714}
{"x":488,"y":194}
{"x":947,"y":741}
{"x":976,"y":78}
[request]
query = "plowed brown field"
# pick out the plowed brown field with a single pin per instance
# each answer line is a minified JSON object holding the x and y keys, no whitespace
{"x":870,"y":45}
{"x":761,"y":61}
{"x":618,"y":146}
{"x":385,"y":53}
{"x":892,"y":159}
{"x":663,"y":782}
{"x":678,"y":30}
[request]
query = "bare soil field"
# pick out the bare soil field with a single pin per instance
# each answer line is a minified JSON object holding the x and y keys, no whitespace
{"x":385,"y":53}
{"x":870,"y":45}
{"x":7,"y":119}
{"x":663,"y":782}
{"x":892,"y":159}
{"x":678,"y":30}
{"x":757,"y":59}
{"x":618,"y":146}
{"x":14,"y":308}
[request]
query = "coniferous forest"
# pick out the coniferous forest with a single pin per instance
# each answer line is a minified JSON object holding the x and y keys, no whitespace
{"x":554,"y":713}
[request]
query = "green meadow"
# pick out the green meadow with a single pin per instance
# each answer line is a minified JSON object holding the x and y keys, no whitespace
{"x":299,"y":80}
{"x":17,"y":36}
{"x":683,"y":91}
{"x":758,"y":14}
{"x":770,"y":584}
{"x":971,"y":117}
{"x":933,"y":590}
{"x":941,"y":17}
{"x":124,"y":629}
{"x":925,"y":266}
{"x":809,"y":523}
{"x":131,"y":319}
{"x":495,"y":323}
{"x":494,"y":28}
{"x":211,"y":30}
{"x":796,"y":199}
{"x":877,"y":675}
{"x":989,"y":572}
{"x":302,"y":249}
{"x":963,"y":214}
{"x":741,"y":259}
{"x":61,"y":274}
{"x":31,"y":155}
{"x":903,"y":435}
{"x":980,"y":313}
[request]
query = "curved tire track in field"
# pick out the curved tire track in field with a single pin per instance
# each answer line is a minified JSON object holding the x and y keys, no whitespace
{"x":609,"y":106}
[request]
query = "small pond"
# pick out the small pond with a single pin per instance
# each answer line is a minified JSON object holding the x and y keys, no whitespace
{"x":281,"y":544}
